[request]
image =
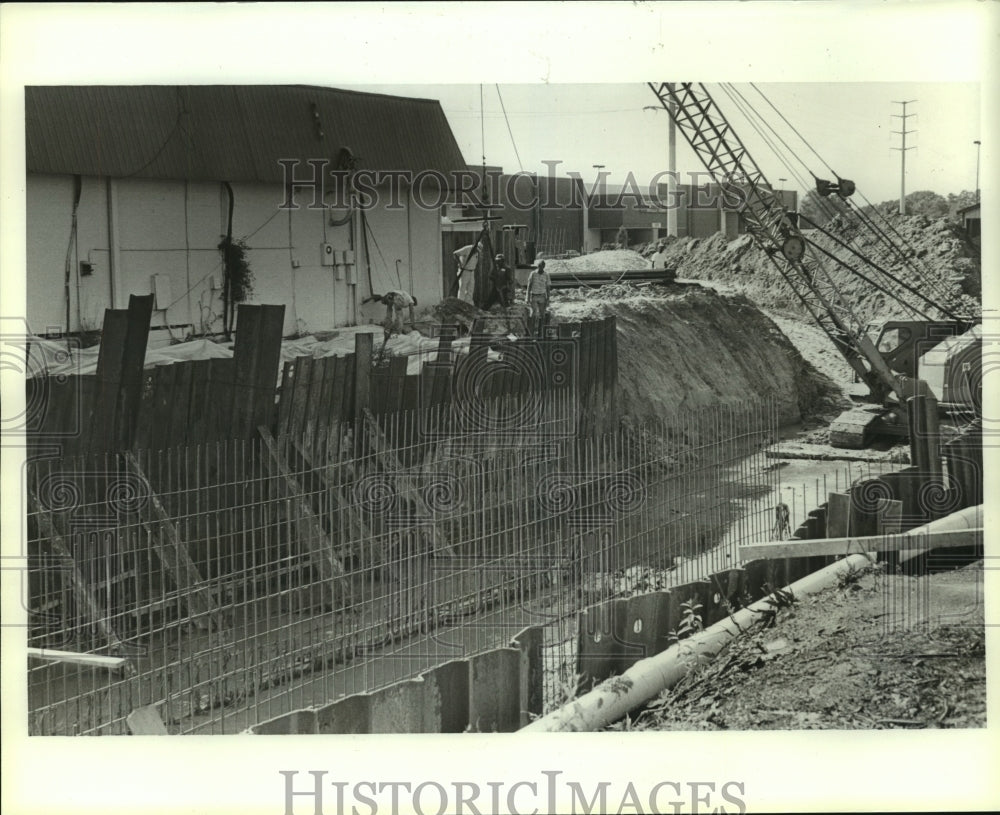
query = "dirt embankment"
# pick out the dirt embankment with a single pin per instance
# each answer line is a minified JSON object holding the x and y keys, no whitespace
{"x":839,"y":660}
{"x":687,"y":347}
{"x":934,"y":250}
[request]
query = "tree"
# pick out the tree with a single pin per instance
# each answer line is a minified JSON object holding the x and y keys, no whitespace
{"x":927,"y":203}
{"x":965,"y":198}
{"x":822,"y":209}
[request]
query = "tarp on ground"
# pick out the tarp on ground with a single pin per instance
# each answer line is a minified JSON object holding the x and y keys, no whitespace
{"x":52,"y":357}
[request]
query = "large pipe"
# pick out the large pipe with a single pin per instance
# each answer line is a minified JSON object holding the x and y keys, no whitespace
{"x":968,"y":518}
{"x":615,"y":697}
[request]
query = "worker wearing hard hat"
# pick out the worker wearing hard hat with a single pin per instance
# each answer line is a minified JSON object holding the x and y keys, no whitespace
{"x":537,"y":296}
{"x":659,"y":259}
{"x":502,"y":278}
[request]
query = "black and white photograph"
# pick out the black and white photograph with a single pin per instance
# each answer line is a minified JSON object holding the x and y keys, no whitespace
{"x":551,"y":389}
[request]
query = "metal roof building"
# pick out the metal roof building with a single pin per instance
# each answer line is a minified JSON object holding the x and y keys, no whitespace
{"x":228,"y":132}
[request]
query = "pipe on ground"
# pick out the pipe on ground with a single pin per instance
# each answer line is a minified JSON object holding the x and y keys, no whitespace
{"x":615,"y":697}
{"x":968,"y":518}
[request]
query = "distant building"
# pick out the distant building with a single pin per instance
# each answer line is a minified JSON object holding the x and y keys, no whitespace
{"x":971,"y":222}
{"x":127,"y":194}
{"x":557,"y":223}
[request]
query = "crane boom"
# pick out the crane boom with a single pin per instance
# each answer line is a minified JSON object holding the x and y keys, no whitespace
{"x":731,"y":166}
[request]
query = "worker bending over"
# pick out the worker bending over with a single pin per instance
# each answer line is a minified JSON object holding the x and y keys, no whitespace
{"x":395,"y":302}
{"x":537,"y":296}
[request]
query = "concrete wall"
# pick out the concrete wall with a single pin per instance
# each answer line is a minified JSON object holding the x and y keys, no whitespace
{"x":132,"y":229}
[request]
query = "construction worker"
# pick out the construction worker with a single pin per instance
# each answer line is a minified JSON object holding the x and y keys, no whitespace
{"x":395,"y":301}
{"x":537,"y":296}
{"x":660,"y":258}
{"x":467,"y":259}
{"x":502,"y":279}
{"x":782,"y":522}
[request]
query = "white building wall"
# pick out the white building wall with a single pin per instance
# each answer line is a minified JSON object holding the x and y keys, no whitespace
{"x":52,"y":247}
{"x":173,"y":228}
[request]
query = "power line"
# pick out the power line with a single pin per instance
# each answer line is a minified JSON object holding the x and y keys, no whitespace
{"x":511,"y":132}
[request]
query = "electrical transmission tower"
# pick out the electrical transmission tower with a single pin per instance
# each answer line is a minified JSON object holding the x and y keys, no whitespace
{"x":902,"y":151}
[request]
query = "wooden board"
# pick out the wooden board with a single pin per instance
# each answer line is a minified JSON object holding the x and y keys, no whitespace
{"x":180,"y":410}
{"x":285,"y":397}
{"x":140,"y":312}
{"x":174,"y":556}
{"x":855,"y":545}
{"x":362,"y":374}
{"x":74,"y":658}
{"x":198,"y":406}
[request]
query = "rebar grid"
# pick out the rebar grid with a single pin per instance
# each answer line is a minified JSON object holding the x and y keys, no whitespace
{"x":246,"y":579}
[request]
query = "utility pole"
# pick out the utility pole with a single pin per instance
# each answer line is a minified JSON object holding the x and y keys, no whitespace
{"x":671,"y":164}
{"x":586,"y":212}
{"x":672,"y":170}
{"x":902,"y":151}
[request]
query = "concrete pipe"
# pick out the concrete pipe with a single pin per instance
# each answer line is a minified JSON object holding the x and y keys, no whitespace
{"x":968,"y":518}
{"x":615,"y":697}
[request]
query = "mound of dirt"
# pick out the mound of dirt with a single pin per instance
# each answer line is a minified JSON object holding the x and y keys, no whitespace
{"x":608,"y":260}
{"x":837,"y":660}
{"x":938,"y":249}
{"x":687,"y":347}
{"x":453,"y":311}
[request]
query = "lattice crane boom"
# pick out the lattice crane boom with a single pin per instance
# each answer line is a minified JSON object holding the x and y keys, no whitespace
{"x":731,"y":166}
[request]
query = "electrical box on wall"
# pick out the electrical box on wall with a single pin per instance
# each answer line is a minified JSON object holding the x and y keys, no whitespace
{"x":160,"y":286}
{"x":327,"y":254}
{"x":348,"y":257}
{"x":352,"y":275}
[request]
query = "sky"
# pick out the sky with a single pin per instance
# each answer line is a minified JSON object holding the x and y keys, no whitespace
{"x":848,"y":124}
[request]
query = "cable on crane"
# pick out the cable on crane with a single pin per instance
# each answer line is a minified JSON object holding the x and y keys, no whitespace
{"x":922,"y":274}
{"x":746,"y":106}
{"x":796,"y":132}
{"x":879,"y":268}
{"x":911,"y":309}
{"x":865,"y":220}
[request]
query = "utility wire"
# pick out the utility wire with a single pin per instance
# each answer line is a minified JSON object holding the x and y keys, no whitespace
{"x":511,"y":132}
{"x":369,"y":231}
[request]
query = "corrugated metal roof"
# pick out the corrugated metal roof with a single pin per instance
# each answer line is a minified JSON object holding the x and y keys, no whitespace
{"x":228,"y":132}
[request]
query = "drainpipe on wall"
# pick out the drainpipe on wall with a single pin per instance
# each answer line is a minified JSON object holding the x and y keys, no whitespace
{"x":114,"y":257}
{"x":70,"y":254}
{"x":409,"y":238}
